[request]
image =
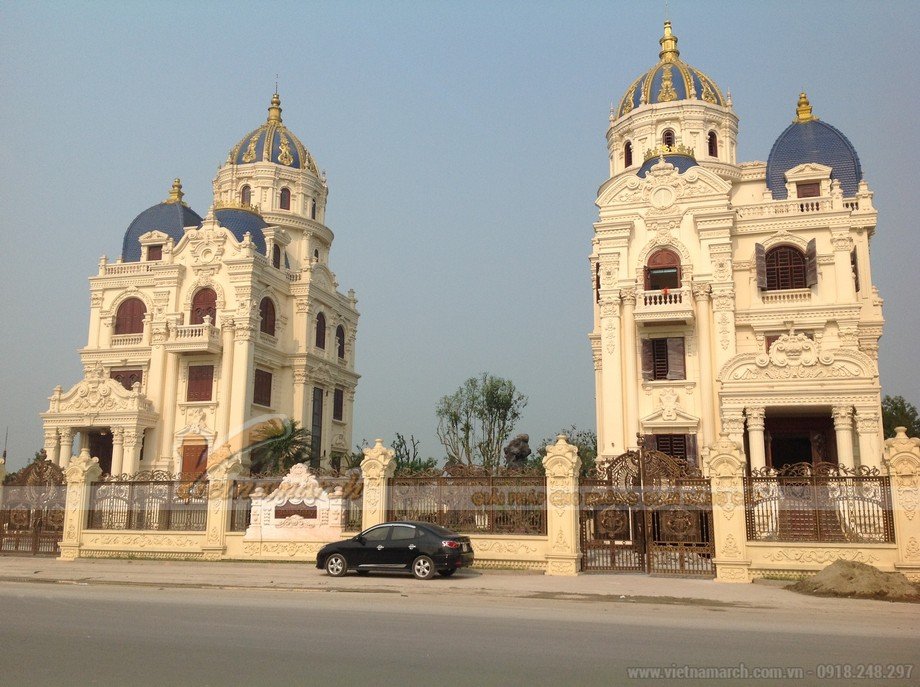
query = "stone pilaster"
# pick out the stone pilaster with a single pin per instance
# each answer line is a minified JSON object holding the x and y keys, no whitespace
{"x":843,"y":428}
{"x":631,"y":357}
{"x":724,"y":464}
{"x":66,"y":446}
{"x":701,"y":294}
{"x":733,"y":425}
{"x":562,"y":465}
{"x":81,"y":472}
{"x":755,"y":426}
{"x":51,"y":445}
{"x":378,"y":466}
{"x":902,"y":463}
{"x":118,"y":451}
{"x":867,"y":429}
{"x":220,"y":480}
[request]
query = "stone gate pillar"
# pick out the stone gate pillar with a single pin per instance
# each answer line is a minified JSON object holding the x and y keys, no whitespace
{"x":724,"y":464}
{"x":80,"y":473}
{"x":902,"y":463}
{"x":562,"y":465}
{"x":378,"y":466}
{"x":221,"y":474}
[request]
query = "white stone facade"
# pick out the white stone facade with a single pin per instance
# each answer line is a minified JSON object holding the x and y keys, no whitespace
{"x":790,"y":373}
{"x":204,"y":370}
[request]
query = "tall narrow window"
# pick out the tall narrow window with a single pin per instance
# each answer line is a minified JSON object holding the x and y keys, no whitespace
{"x":663,"y":358}
{"x":285,"y":199}
{"x":194,"y":457}
{"x":627,"y":154}
{"x":262,"y":388}
{"x":854,"y":265}
{"x":312,"y":208}
{"x":667,"y":138}
{"x":662,"y":271}
{"x":276,"y":256}
{"x":204,"y":303}
{"x":200,"y":382}
{"x":316,"y":427}
{"x":340,"y":341}
{"x":267,"y":313}
{"x":785,"y":268}
{"x":338,"y":405}
{"x":246,"y":195}
{"x":321,"y":331}
{"x":713,"y":143}
{"x":129,"y":319}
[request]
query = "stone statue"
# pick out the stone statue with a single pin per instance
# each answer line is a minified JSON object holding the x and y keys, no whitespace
{"x":517,"y":450}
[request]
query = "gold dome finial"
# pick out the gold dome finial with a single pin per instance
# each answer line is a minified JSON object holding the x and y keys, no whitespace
{"x":803,"y":110}
{"x":274,"y":110}
{"x":175,"y":193}
{"x":668,"y":42}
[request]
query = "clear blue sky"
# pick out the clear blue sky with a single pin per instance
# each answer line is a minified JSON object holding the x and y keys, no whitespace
{"x":464,"y":144}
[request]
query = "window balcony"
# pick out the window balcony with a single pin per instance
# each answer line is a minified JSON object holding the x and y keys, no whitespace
{"x":125,"y":340}
{"x":664,"y":305}
{"x":194,"y":338}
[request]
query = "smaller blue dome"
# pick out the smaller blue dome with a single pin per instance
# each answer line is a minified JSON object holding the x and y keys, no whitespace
{"x":681,"y":162}
{"x":809,"y":140}
{"x":273,"y":142}
{"x":169,"y":217}
{"x":239,"y":222}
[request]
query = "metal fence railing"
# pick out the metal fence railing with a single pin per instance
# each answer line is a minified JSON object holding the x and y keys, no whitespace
{"x":152,"y":500}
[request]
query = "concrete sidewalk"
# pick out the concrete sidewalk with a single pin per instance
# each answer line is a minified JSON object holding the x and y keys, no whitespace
{"x":303,"y":577}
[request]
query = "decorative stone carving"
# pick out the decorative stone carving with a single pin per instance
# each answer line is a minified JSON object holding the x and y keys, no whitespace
{"x":98,"y":393}
{"x":668,"y":400}
{"x":819,"y":556}
{"x":796,"y":357}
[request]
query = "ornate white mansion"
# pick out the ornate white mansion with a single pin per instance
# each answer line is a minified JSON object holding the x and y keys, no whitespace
{"x":732,"y":297}
{"x":204,"y":324}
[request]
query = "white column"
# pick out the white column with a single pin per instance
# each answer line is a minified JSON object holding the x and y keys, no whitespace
{"x":867,"y":428}
{"x":51,"y":446}
{"x":843,"y":428}
{"x":118,"y":451}
{"x":632,"y":381}
{"x":733,"y":425}
{"x":168,"y":412}
{"x":66,"y":446}
{"x":610,"y":435}
{"x":707,"y":412}
{"x":132,"y":450}
{"x":755,"y":424}
{"x":226,"y":383}
{"x":242,"y":373}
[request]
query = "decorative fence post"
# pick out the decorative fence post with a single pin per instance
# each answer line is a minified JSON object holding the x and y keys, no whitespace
{"x":80,"y":473}
{"x":724,"y":464}
{"x":378,"y":466}
{"x":220,"y":479}
{"x":902,"y":463}
{"x":562,"y":465}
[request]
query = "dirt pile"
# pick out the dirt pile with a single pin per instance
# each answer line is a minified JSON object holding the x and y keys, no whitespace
{"x":858,"y":580}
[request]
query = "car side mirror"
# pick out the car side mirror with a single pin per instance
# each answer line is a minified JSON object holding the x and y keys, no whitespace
{"x":360,"y":539}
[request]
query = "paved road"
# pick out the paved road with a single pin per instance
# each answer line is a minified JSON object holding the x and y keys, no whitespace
{"x":103,"y":635}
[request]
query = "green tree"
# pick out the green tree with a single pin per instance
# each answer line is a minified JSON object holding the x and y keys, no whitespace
{"x":407,"y":457}
{"x":279,"y":445}
{"x":897,"y":412}
{"x":585,"y":440}
{"x":475,"y":421}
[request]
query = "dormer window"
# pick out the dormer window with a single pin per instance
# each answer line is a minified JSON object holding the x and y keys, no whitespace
{"x":712,"y":141}
{"x":667,"y":138}
{"x":809,"y":189}
{"x":246,"y":195}
{"x":627,"y":154}
{"x":155,"y":252}
{"x":285,"y":199}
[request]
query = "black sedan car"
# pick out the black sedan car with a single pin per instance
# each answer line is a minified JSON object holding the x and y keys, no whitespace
{"x":421,"y":547}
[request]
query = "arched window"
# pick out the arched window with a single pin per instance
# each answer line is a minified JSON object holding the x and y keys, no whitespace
{"x":246,"y":195}
{"x":662,"y":271}
{"x":129,"y":319}
{"x":713,"y":142}
{"x":785,"y":268}
{"x":667,"y":138}
{"x":204,"y":303}
{"x":312,"y":208}
{"x":316,"y":254}
{"x":285,"y":199}
{"x":276,"y":255}
{"x":321,"y":331}
{"x":627,"y":154}
{"x":340,"y":341}
{"x":267,"y":313}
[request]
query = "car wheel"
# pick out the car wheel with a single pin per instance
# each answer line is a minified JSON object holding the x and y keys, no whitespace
{"x":447,"y":573}
{"x":336,"y":566}
{"x":423,"y":568}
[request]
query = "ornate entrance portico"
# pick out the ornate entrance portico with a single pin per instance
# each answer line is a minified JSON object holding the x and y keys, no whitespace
{"x":98,"y":405}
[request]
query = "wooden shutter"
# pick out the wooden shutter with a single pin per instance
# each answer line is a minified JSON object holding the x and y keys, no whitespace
{"x":262,"y":388}
{"x":316,"y":427}
{"x":760,"y":261}
{"x":155,"y":252}
{"x":677,"y":368}
{"x":200,"y":382}
{"x":648,"y":361}
{"x":811,"y":263}
{"x":811,"y":189}
{"x":129,"y":319}
{"x":194,"y":458}
{"x":204,"y":304}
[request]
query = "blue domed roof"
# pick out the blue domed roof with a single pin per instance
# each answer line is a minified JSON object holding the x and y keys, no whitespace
{"x":669,"y":80}
{"x":273,"y":142}
{"x":170,"y":217}
{"x":680,"y":161}
{"x":809,"y":140}
{"x":240,"y":221}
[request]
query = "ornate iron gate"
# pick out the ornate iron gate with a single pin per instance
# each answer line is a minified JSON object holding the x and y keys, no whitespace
{"x":647,"y":512}
{"x":32,"y":510}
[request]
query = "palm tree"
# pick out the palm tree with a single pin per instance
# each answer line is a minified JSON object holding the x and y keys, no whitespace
{"x":278,"y":445}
